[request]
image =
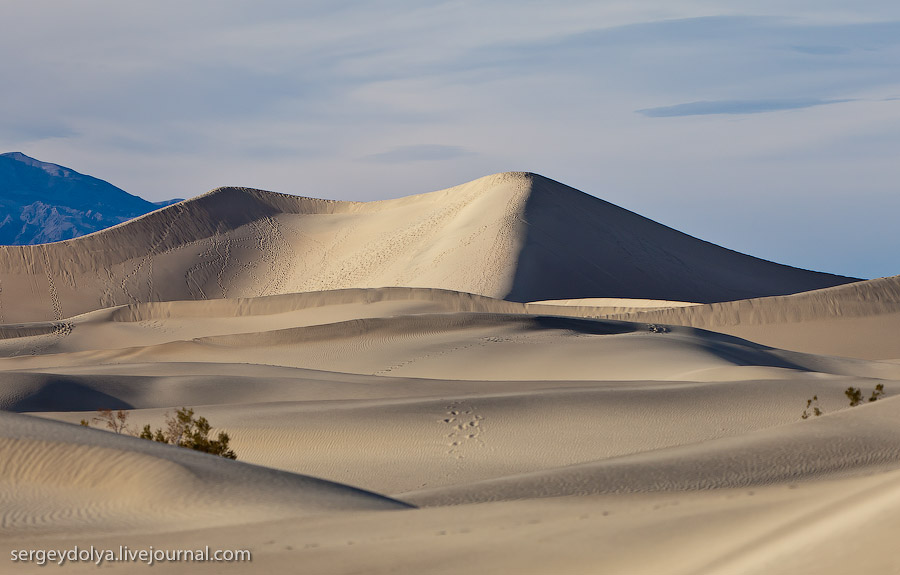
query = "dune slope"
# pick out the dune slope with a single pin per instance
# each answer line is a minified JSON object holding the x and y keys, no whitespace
{"x":531,"y":442}
{"x":386,"y":388}
{"x":577,"y":246}
{"x":512,"y":236}
{"x":56,"y":477}
{"x":854,"y":320}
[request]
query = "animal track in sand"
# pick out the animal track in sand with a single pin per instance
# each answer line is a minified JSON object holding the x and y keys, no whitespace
{"x":54,"y":296}
{"x":45,"y":342}
{"x":145,"y":264}
{"x":157,"y":326}
{"x":434,"y":354}
{"x":212,"y":263}
{"x":464,"y":428}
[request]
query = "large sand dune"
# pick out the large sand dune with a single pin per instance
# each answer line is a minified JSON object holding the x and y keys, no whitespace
{"x":855,"y":320}
{"x":58,"y":478}
{"x":513,"y":236}
{"x":623,"y":426}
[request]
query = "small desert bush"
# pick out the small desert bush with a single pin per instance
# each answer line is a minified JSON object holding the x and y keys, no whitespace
{"x":115,"y":422}
{"x":182,"y":429}
{"x":812,"y":408}
{"x":854,"y":394}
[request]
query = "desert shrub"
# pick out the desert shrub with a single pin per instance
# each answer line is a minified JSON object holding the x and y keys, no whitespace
{"x":812,"y":408}
{"x":115,"y":421}
{"x":877,"y":392}
{"x":182,"y":429}
{"x":854,"y":394}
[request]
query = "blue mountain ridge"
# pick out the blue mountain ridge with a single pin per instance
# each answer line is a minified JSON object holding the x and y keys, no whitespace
{"x":42,"y":202}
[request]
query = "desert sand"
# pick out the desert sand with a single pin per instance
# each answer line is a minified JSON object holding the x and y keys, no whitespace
{"x":446,"y":383}
{"x":513,"y":236}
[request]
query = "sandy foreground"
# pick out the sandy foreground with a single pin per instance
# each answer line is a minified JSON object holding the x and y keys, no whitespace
{"x":563,"y":387}
{"x":429,"y":431}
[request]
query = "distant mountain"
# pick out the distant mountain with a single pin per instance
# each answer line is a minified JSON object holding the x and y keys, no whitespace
{"x":42,"y":202}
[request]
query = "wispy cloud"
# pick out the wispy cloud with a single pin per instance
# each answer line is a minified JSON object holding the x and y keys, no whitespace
{"x":821,"y":50}
{"x":35,"y":129}
{"x":420,"y":153}
{"x":711,"y":107}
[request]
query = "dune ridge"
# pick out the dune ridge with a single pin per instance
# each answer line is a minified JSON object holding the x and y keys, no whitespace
{"x":450,"y":301}
{"x":854,"y":320}
{"x":860,"y":299}
{"x":514,"y":236}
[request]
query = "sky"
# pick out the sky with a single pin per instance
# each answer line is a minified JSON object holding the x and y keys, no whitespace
{"x":770,"y":128}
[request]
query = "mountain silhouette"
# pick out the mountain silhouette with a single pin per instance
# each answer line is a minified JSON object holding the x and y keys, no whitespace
{"x":42,"y":202}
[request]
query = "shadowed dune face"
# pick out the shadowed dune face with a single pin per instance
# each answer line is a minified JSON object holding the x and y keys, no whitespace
{"x":577,"y":246}
{"x":515,"y":236}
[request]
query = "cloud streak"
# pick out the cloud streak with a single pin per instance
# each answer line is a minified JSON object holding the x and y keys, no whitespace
{"x":715,"y":107}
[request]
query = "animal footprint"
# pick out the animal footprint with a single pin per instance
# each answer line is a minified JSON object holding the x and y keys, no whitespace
{"x":465,"y":428}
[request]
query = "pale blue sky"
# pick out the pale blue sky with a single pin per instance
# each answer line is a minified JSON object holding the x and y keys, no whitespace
{"x":771,"y":128}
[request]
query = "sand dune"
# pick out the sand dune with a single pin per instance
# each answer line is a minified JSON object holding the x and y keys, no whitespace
{"x":457,"y":345}
{"x":854,"y":320}
{"x":161,"y":322}
{"x":412,"y":420}
{"x":817,"y":449}
{"x":449,"y":434}
{"x":513,"y":236}
{"x":394,"y":366}
{"x":509,"y":426}
{"x":56,"y":478}
{"x":765,"y":530}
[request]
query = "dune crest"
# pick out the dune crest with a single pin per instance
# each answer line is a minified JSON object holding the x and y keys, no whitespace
{"x":854,"y":320}
{"x":514,"y":236}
